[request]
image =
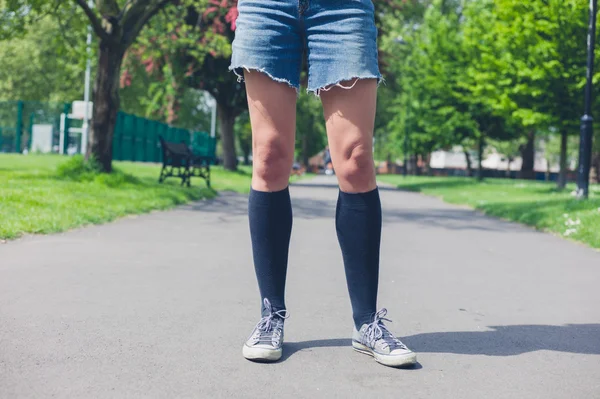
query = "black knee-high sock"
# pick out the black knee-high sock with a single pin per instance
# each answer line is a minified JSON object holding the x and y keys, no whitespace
{"x":358,"y":225}
{"x":270,"y":216}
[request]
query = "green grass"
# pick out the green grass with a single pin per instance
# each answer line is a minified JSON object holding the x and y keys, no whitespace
{"x":37,"y":196}
{"x":533,"y":203}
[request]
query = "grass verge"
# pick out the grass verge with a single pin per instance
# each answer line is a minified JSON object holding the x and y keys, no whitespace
{"x":46,"y":194}
{"x":533,"y":203}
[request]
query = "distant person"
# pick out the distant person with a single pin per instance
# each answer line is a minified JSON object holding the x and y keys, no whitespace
{"x":327,"y":161}
{"x":297,"y":169}
{"x":270,"y":40}
{"x":327,"y":156}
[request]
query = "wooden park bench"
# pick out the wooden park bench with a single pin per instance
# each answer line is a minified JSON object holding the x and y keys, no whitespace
{"x":180,"y":161}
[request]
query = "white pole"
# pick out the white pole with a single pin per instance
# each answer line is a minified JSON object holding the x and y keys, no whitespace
{"x":86,"y":95}
{"x":213,"y":118}
{"x":61,"y":137}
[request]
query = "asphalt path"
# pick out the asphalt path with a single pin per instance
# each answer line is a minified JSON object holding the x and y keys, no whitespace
{"x":158,"y":306}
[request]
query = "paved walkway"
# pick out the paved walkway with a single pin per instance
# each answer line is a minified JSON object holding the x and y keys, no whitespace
{"x":158,"y":306}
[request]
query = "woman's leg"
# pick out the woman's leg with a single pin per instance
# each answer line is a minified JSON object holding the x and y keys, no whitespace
{"x":350,"y":115}
{"x":272,"y":107}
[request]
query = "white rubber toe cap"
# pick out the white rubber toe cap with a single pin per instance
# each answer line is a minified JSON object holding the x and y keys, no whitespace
{"x":261,"y":353}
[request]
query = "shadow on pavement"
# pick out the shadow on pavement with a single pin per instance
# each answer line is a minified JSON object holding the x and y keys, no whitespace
{"x":418,"y":187}
{"x":449,"y":218}
{"x":511,"y":340}
{"x":290,"y":348}
{"x":501,"y":341}
{"x":336,"y":187}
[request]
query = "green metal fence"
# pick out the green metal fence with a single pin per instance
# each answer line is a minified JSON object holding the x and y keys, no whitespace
{"x":135,"y":138}
{"x":17,"y":119}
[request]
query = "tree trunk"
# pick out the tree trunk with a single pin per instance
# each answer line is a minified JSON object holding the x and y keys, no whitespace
{"x":226,"y":121}
{"x":245,"y":146}
{"x":562,"y":175}
{"x":106,"y":104}
{"x":469,"y":164}
{"x":428,"y":164}
{"x":415,"y":164}
{"x":509,"y":162}
{"x":174,"y":103}
{"x":305,"y":154}
{"x":596,"y":167}
{"x":528,"y":157}
{"x":480,"y":146}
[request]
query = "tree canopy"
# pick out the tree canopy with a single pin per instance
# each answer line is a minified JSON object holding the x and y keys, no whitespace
{"x":470,"y":73}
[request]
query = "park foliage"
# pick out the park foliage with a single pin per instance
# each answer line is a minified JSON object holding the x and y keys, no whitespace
{"x":481,"y":74}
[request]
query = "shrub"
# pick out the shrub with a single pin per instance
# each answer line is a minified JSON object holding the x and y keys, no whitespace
{"x":77,"y":168}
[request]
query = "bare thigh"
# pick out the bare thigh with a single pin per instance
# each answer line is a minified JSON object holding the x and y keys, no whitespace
{"x":272,"y":107}
{"x":350,"y":118}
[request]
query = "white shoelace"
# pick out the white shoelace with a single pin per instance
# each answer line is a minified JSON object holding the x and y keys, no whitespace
{"x":270,"y":327}
{"x":376,"y":331}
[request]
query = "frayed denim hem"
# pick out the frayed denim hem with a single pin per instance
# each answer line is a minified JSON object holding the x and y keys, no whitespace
{"x":240,"y":77}
{"x":338,"y":83}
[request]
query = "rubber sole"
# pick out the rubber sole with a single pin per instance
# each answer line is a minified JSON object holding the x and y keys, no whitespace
{"x":261,"y":354}
{"x":409,"y":359}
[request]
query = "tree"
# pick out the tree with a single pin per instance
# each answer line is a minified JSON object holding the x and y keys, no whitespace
{"x":450,"y":81}
{"x":496,"y":82}
{"x":553,"y":148}
{"x":437,"y":86}
{"x":217,"y":24}
{"x":392,"y":19}
{"x":527,"y":152}
{"x":38,"y":65}
{"x":116,"y":29}
{"x":156,"y":67}
{"x":539,"y":63}
{"x":116,"y":24}
{"x":596,"y":165}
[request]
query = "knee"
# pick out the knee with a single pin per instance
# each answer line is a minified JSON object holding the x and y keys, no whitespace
{"x":356,"y":169}
{"x":272,"y":162}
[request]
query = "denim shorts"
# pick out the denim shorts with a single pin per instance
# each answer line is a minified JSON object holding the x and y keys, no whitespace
{"x":337,"y":37}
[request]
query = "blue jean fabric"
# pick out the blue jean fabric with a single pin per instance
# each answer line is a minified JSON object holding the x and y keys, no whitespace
{"x":338,"y":38}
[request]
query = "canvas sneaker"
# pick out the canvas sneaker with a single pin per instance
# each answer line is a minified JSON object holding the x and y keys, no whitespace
{"x":266,"y":341}
{"x":376,"y":340}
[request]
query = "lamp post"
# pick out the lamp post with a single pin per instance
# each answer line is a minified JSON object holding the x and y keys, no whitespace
{"x":212,"y":103}
{"x":401,"y":41}
{"x":86,"y":95}
{"x":405,"y":169}
{"x":585,"y":144}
